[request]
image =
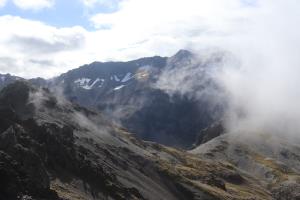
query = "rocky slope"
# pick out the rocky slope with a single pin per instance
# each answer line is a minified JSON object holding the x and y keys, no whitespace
{"x":53,"y":149}
{"x":272,"y":159}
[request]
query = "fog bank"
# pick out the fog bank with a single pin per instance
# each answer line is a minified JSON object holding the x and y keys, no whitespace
{"x":259,"y":75}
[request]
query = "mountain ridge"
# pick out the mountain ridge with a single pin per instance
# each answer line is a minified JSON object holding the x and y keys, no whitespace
{"x":126,"y":92}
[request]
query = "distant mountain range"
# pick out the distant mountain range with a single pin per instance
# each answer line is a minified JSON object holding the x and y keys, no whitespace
{"x":126,"y":92}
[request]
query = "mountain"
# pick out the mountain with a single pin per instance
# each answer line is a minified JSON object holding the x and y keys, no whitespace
{"x":136,"y":95}
{"x":6,"y":79}
{"x":128,"y":92}
{"x":52,"y":149}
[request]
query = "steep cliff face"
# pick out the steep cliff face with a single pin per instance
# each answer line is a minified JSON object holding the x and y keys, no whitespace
{"x":53,"y":149}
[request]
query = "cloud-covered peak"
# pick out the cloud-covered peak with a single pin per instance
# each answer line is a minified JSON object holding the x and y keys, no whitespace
{"x":183,"y":53}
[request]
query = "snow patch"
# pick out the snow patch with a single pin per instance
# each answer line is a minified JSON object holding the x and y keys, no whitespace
{"x":127,"y":77}
{"x":101,"y":82}
{"x":116,"y":78}
{"x":84,"y":83}
{"x":94,"y":83}
{"x":119,"y":87}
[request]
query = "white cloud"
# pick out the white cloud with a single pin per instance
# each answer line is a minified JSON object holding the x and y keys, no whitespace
{"x":106,"y":3}
{"x":265,"y":87}
{"x":89,"y":3}
{"x":138,"y":28}
{"x":167,"y":25}
{"x":262,"y":82}
{"x":34,"y":4}
{"x":30,"y":48}
{"x":2,"y":3}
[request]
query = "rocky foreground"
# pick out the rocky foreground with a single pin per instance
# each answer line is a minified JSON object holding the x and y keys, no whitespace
{"x":51,"y":149}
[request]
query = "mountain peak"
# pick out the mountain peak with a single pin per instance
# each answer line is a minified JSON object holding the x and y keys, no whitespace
{"x":14,"y":99}
{"x":183,"y":53}
{"x":181,"y":58}
{"x":16,"y":90}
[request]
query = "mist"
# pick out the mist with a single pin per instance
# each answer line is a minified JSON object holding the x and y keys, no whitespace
{"x":55,"y":102}
{"x":263,"y":88}
{"x":258,"y":74}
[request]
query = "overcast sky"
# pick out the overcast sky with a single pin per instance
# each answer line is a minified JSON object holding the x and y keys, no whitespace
{"x":47,"y":37}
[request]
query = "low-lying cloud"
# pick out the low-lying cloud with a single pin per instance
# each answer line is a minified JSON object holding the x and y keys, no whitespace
{"x":260,"y":78}
{"x":263,"y":90}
